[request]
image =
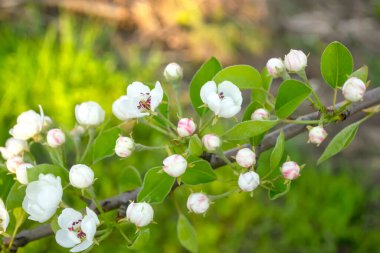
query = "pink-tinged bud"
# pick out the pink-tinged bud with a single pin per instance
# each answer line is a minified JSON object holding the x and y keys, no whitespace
{"x":354,"y":89}
{"x":317,"y":135}
{"x":173,"y":72}
{"x":211,"y":142}
{"x":186,"y":127}
{"x":175,"y":165}
{"x":13,"y":163}
{"x":81,"y":176}
{"x":249,"y":181}
{"x":55,"y":137}
{"x":246,"y":157}
{"x":290,"y":170}
{"x":198,"y":203}
{"x":124,"y":146}
{"x":260,"y":114}
{"x":140,"y":214}
{"x":22,"y":173}
{"x":295,"y":60}
{"x":275,"y":67}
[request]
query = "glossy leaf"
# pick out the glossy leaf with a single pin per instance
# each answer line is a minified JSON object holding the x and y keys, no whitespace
{"x":361,"y":73}
{"x":266,"y":79}
{"x":278,"y":151}
{"x":129,"y":179}
{"x":195,"y":146}
{"x":141,"y":239}
{"x":33,"y":173}
{"x":15,"y":196}
{"x":200,"y":172}
{"x":6,"y":182}
{"x":186,"y":234}
{"x":243,"y":76}
{"x":249,"y":129}
{"x":104,"y":144}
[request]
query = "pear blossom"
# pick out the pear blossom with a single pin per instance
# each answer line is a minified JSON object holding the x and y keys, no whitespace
{"x":13,"y":147}
{"x":211,"y":142}
{"x":260,"y":114}
{"x":198,"y":203}
{"x":139,"y":102}
{"x":124,"y":146}
{"x":22,"y":173}
{"x":295,"y":60}
{"x":175,"y":165}
{"x":55,"y":137}
{"x":249,"y":181}
{"x":140,"y":214}
{"x":224,"y":99}
{"x":173,"y":72}
{"x":81,"y":176}
{"x":245,"y":157}
{"x":354,"y":89}
{"x":29,"y":124}
{"x":4,"y":217}
{"x":275,"y":67}
{"x":43,"y":197}
{"x":89,"y":114}
{"x":186,"y":127}
{"x":76,"y":232}
{"x":13,"y":163}
{"x":317,"y":135}
{"x":290,"y":170}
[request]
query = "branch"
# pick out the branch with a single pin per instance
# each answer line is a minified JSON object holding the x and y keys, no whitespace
{"x":371,"y":98}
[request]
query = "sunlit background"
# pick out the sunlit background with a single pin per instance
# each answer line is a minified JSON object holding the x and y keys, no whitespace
{"x":58,"y":53}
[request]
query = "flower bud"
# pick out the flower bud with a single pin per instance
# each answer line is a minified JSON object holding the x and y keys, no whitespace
{"x":295,"y":60}
{"x":13,"y":147}
{"x":246,"y":157}
{"x":260,"y":114}
{"x":275,"y":67}
{"x":175,"y":165}
{"x":198,"y":203}
{"x":14,"y":163}
{"x":124,"y":146}
{"x":81,"y":176}
{"x":22,"y":173}
{"x":317,"y":135}
{"x":290,"y":170}
{"x":55,"y":137}
{"x":173,"y":72}
{"x":211,"y":142}
{"x":29,"y":125}
{"x":89,"y":114}
{"x":4,"y":217}
{"x":186,"y":127}
{"x":140,"y":214}
{"x":354,"y":89}
{"x":249,"y":181}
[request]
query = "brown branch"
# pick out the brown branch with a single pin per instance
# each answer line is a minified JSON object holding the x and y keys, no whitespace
{"x":371,"y":98}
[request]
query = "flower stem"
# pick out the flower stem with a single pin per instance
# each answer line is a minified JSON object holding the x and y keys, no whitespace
{"x":334,"y":98}
{"x":91,"y":135}
{"x":306,"y":122}
{"x":176,"y":91}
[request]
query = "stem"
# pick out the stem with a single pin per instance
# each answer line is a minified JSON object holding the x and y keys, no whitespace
{"x":123,"y":235}
{"x":306,"y":122}
{"x":176,"y":91}
{"x":159,"y":129}
{"x":205,"y":125}
{"x":303,"y":76}
{"x":171,"y":125}
{"x":91,"y":135}
{"x":334,"y":98}
{"x":223,"y":195}
{"x":141,"y":147}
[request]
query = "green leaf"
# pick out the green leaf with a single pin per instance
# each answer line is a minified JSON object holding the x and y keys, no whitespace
{"x":266,"y":79}
{"x":243,"y":76}
{"x":201,"y":172}
{"x":336,"y":64}
{"x":15,"y":196}
{"x":361,"y":73}
{"x":278,"y":151}
{"x":340,"y":141}
{"x":33,"y":173}
{"x":249,"y":129}
{"x":6,"y":182}
{"x":129,"y":179}
{"x":290,"y":95}
{"x":195,"y":146}
{"x":186,"y":234}
{"x":104,"y":144}
{"x":203,"y":75}
{"x":156,"y":186}
{"x":141,"y":239}
{"x":279,"y":189}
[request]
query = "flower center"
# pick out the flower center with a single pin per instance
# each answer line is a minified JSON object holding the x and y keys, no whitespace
{"x":221,"y":95}
{"x":75,"y":227}
{"x":144,"y":103}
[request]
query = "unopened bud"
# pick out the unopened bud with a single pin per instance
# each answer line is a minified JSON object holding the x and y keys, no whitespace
{"x":22,"y":173}
{"x":186,"y":127}
{"x":275,"y":67}
{"x":140,"y":214}
{"x":175,"y":165}
{"x":211,"y":142}
{"x":81,"y":176}
{"x":260,"y":114}
{"x":173,"y":72}
{"x":354,"y":89}
{"x":249,"y":181}
{"x":198,"y":203}
{"x":290,"y":170}
{"x":55,"y":137}
{"x":124,"y":146}
{"x":13,"y":163}
{"x":317,"y":135}
{"x":295,"y":60}
{"x":246,"y":157}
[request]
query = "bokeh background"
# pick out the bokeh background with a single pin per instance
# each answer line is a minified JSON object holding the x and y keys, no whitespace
{"x":58,"y":53}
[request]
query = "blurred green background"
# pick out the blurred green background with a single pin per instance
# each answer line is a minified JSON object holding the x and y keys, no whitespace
{"x":60,"y":53}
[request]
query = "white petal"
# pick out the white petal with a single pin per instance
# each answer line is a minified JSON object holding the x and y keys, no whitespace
{"x":136,"y":89}
{"x":228,"y":109}
{"x":82,"y":246}
{"x":126,"y":108}
{"x":93,"y":215}
{"x":214,"y":103}
{"x":208,"y":89}
{"x":231,"y":90}
{"x":157,"y":95}
{"x":67,"y":217}
{"x":66,"y":238}
{"x":88,"y":226}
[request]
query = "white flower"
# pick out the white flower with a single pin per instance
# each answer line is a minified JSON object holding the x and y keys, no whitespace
{"x":186,"y":127}
{"x":198,"y":203}
{"x":175,"y":165}
{"x":354,"y":89}
{"x":317,"y":135}
{"x":81,"y":176}
{"x":290,"y":170}
{"x":43,"y":197}
{"x":249,"y":181}
{"x":77,"y":232}
{"x":22,"y":174}
{"x":4,"y":217}
{"x":13,"y":147}
{"x":260,"y":114}
{"x":275,"y":67}
{"x":55,"y":137}
{"x":224,"y":100}
{"x":246,"y":157}
{"x":140,"y":214}
{"x":173,"y":72}
{"x":89,"y":114}
{"x":295,"y":60}
{"x":140,"y":101}
{"x":124,"y":146}
{"x":13,"y":163}
{"x":29,"y":124}
{"x":211,"y":142}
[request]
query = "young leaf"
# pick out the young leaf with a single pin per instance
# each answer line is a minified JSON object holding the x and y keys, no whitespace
{"x":290,"y":95}
{"x":156,"y":186}
{"x":361,"y":73}
{"x":278,"y":151}
{"x":58,"y":171}
{"x":104,"y":144}
{"x":15,"y":196}
{"x":200,"y":172}
{"x":203,"y":75}
{"x":141,"y":239}
{"x":186,"y":234}
{"x":336,"y":64}
{"x":243,"y":76}
{"x":195,"y":146}
{"x":129,"y":179}
{"x":249,"y":129}
{"x":340,"y":142}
